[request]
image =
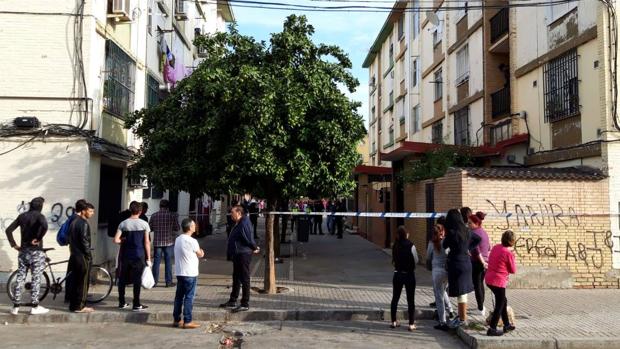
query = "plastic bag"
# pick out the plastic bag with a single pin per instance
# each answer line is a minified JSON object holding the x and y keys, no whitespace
{"x":147,"y":278}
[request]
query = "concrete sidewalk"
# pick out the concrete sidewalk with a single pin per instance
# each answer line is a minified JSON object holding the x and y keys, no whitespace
{"x":350,"y":279}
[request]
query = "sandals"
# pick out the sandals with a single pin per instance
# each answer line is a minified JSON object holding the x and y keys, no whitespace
{"x":85,"y":310}
{"x":395,"y":324}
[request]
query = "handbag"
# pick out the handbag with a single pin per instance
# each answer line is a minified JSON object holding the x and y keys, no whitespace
{"x":147,"y":278}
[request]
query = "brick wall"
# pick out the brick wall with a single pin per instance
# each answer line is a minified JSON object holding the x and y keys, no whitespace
{"x":561,"y":249}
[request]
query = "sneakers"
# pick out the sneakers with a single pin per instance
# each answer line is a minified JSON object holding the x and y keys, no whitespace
{"x":171,"y":284}
{"x":39,"y":310}
{"x":509,"y":328}
{"x":123,"y":306}
{"x":190,"y":326}
{"x":140,"y":307}
{"x":177,"y":324}
{"x":229,"y":305}
{"x":442,"y":327}
{"x":451,"y":315}
{"x":493,"y":332}
{"x":483,"y":312}
{"x":14,"y":310}
{"x":456,"y":322}
{"x":241,"y":308}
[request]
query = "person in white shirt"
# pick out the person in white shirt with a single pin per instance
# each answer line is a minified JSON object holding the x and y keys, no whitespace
{"x":186,"y":254}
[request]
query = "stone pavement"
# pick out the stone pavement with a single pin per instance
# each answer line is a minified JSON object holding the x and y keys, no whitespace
{"x":350,"y":279}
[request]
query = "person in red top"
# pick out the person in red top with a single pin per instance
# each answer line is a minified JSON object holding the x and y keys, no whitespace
{"x":501,"y":264}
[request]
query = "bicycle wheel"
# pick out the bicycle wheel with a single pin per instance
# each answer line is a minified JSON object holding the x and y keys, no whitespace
{"x":99,"y":284}
{"x":11,"y":286}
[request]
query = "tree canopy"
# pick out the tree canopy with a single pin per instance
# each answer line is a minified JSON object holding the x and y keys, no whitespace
{"x":266,"y":118}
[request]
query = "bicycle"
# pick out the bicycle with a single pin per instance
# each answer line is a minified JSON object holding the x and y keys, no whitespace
{"x":100,"y":282}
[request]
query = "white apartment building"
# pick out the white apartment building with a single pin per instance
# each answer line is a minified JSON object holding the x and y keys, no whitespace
{"x":79,"y":67}
{"x":527,"y":86}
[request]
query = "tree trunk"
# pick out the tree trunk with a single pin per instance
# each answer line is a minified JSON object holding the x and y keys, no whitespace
{"x":270,"y":268}
{"x":276,"y":236}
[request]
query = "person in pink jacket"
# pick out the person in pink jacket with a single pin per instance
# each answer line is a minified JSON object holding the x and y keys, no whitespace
{"x":501,"y":264}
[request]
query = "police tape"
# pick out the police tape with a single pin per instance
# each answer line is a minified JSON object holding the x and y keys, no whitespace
{"x":433,"y":215}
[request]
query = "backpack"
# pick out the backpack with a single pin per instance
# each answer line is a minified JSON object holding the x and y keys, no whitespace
{"x":62,"y":238}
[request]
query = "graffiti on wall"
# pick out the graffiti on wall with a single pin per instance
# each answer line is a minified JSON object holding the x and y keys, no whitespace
{"x":542,"y":214}
{"x":56,"y":214}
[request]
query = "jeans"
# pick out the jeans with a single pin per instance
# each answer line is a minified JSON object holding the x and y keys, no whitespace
{"x":317,"y":226}
{"x":35,"y":261}
{"x":241,"y":278}
{"x":184,"y":298}
{"x":501,"y":307}
{"x":398,"y":281}
{"x":330,"y":224}
{"x":167,"y":251}
{"x":340,"y":226}
{"x":477,"y":276}
{"x":440,"y":283}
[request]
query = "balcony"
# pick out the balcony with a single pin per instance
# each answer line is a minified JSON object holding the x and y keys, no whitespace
{"x":500,"y":102}
{"x":499,"y":25}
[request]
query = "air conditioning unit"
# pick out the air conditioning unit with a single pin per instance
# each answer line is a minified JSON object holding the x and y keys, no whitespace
{"x":138,"y":182}
{"x":121,"y":9}
{"x":180,"y":11}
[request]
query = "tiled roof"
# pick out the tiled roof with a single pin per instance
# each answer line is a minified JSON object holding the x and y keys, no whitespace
{"x":581,"y":173}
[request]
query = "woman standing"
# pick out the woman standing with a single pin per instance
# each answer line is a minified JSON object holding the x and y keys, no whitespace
{"x":479,"y":258}
{"x":404,"y":258}
{"x":501,"y":264}
{"x":438,"y":259}
{"x":460,"y":241}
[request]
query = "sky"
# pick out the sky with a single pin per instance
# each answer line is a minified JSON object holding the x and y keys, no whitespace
{"x":353,"y":32}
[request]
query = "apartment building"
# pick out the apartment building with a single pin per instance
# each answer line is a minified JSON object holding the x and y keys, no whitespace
{"x":78,"y":68}
{"x":527,"y":91}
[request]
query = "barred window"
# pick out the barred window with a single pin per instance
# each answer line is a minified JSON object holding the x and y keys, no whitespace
{"x":118,"y":88}
{"x":461,"y":127}
{"x":437,"y":133}
{"x":462,"y":65}
{"x":152,"y":91}
{"x":501,"y":132}
{"x":561,"y":87}
{"x":415,"y":119}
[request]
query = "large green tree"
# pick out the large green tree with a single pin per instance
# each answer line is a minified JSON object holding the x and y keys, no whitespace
{"x":266,"y":118}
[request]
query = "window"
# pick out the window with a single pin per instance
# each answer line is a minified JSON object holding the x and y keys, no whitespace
{"x":438,"y":84}
{"x":118,"y":87}
{"x":154,"y":193}
{"x":401,"y":26}
{"x":437,"y":133}
{"x":415,"y":119}
{"x":461,"y":127}
{"x":415,"y":22}
{"x":391,"y":135}
{"x":391,"y":55}
{"x":149,"y":21}
{"x":152,"y":91}
{"x":414,"y":73}
{"x":438,"y":30}
{"x":462,"y":65}
{"x":561,"y":87}
{"x":391,"y":99}
{"x":557,"y":11}
{"x":501,"y":132}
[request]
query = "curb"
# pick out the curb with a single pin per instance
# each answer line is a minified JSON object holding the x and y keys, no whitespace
{"x":254,"y":315}
{"x":479,"y":341}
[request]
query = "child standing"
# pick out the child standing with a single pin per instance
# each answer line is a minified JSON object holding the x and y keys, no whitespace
{"x":186,"y":254}
{"x":501,"y":264}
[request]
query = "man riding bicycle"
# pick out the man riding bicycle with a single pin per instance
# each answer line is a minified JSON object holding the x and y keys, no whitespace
{"x":33,"y":227}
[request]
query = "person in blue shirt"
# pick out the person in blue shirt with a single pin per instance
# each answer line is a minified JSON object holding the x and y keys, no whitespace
{"x":241,"y":246}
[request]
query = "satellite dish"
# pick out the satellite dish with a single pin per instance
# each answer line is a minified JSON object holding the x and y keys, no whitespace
{"x":432,"y":17}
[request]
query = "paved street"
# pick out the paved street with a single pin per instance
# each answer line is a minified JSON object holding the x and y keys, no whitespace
{"x":288,"y":334}
{"x":330,"y":279}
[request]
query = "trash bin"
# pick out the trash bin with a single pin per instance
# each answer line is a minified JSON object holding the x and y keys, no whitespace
{"x":304,"y":224}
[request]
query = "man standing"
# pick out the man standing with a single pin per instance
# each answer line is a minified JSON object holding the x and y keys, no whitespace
{"x":80,"y":259}
{"x":254,"y":217}
{"x":145,"y":209}
{"x":240,"y":247}
{"x":340,"y":207}
{"x":164,"y":223}
{"x":32,"y":226}
{"x":318,"y":219}
{"x":133,"y":236}
{"x":186,"y":251}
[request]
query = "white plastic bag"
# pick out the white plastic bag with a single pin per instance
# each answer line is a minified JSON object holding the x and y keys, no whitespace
{"x":147,"y":278}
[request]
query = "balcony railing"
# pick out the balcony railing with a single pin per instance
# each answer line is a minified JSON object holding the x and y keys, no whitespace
{"x":499,"y":25}
{"x":500,"y":102}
